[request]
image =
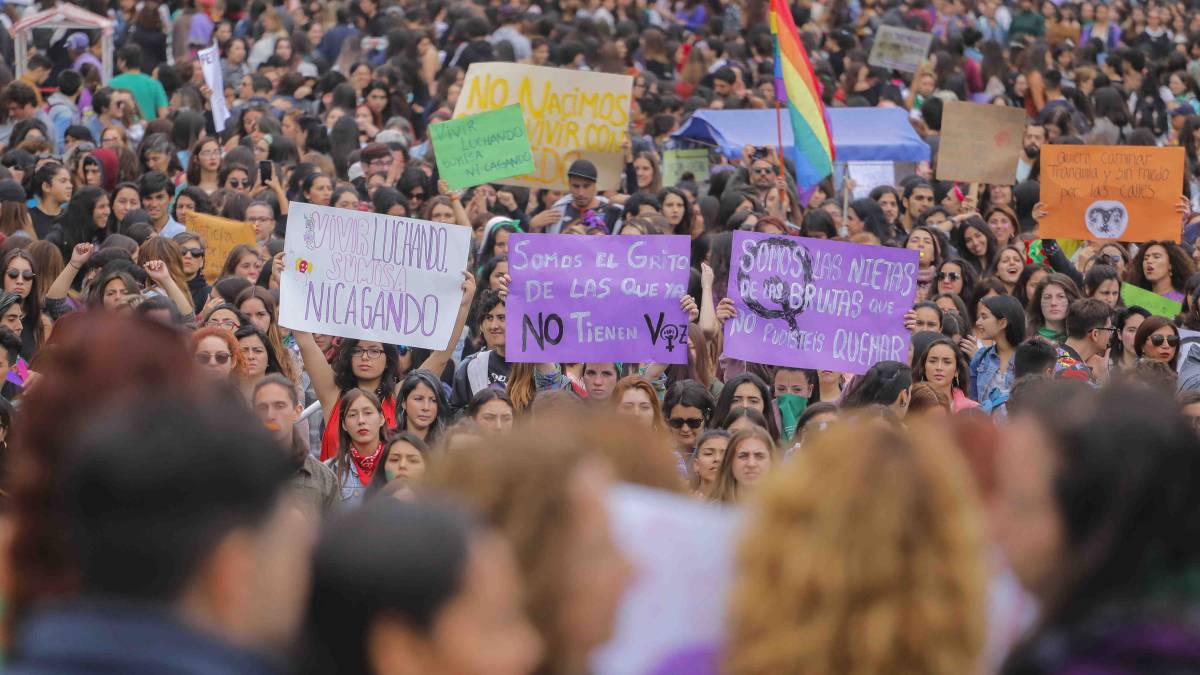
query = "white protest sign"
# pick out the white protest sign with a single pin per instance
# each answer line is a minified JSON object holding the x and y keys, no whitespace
{"x":210,"y":65}
{"x":673,"y":617}
{"x":372,"y":276}
{"x":899,"y":48}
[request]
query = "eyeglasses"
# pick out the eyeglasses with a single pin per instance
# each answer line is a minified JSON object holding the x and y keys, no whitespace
{"x":235,"y":183}
{"x":210,"y":153}
{"x":370,"y":354}
{"x":949,"y":276}
{"x":1158,"y":340}
{"x":24,"y":274}
{"x":692,"y":423}
{"x":204,"y":358}
{"x":229,"y":324}
{"x":194,"y":252}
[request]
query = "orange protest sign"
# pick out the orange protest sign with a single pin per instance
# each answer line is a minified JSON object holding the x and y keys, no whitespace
{"x":221,"y":235}
{"x":1121,"y":192}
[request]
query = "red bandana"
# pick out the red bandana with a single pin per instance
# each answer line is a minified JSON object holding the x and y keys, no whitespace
{"x":365,"y":465}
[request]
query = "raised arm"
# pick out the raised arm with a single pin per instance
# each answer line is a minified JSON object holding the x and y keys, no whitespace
{"x":62,"y":284}
{"x":158,"y":272}
{"x":708,"y":309}
{"x":320,"y":373}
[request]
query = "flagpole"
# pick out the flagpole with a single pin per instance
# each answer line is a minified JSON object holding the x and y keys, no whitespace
{"x":779,"y":137}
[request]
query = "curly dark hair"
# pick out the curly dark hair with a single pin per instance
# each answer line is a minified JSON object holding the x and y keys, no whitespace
{"x":1181,"y":265}
{"x":343,"y":371}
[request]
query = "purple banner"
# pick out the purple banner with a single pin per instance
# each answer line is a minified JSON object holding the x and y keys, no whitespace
{"x":813,"y":303}
{"x":574,"y":298}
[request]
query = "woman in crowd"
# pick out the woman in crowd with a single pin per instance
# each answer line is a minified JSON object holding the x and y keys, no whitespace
{"x":257,"y":357}
{"x":944,"y":367}
{"x":1161,"y":267}
{"x":492,"y":411}
{"x":749,"y":457}
{"x":365,"y":614}
{"x":634,"y":397}
{"x":20,"y":277}
{"x":1007,"y":268}
{"x":811,"y":561}
{"x":1066,"y":452}
{"x":687,"y":408}
{"x":1124,"y":347}
{"x":748,"y":391}
{"x":405,"y":458}
{"x":85,"y":222}
{"x":259,"y":306}
{"x":1048,"y":305}
{"x":243,"y":261}
{"x":1157,"y":339}
{"x":360,"y":435}
{"x":886,"y":383}
{"x":1002,"y":322}
{"x":422,"y":409}
{"x":706,"y":462}
{"x":1103,"y":283}
{"x":976,"y":243}
{"x":218,"y":354}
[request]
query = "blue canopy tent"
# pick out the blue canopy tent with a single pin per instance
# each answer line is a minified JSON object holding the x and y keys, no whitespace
{"x":859,"y":134}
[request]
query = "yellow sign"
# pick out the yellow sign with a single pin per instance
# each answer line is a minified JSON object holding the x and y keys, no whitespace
{"x":221,"y":235}
{"x":569,"y":114}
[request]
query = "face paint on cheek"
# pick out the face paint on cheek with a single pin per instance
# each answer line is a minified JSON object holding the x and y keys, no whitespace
{"x":391,"y":475}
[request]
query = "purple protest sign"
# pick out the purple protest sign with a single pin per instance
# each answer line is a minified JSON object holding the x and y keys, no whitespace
{"x":574,"y":298}
{"x":813,"y":303}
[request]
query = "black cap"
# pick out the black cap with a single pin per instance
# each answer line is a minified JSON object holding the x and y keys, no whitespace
{"x":11,"y":191}
{"x":582,"y":168}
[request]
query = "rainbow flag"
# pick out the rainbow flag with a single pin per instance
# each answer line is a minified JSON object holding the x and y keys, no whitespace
{"x":797,"y":89}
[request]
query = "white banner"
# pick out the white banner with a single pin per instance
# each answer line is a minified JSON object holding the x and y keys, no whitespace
{"x":210,"y":65}
{"x":371,"y":276}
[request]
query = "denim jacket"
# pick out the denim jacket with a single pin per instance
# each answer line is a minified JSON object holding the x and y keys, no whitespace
{"x":988,"y":385}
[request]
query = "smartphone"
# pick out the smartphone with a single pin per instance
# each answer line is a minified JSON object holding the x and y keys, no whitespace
{"x":264,"y":171}
{"x":761,"y":153}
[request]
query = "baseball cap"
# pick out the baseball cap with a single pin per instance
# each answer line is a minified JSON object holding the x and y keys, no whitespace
{"x":582,"y":168}
{"x":78,"y":42}
{"x":11,"y":191}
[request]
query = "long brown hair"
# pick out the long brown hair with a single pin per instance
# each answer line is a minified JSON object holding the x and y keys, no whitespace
{"x":341,"y":461}
{"x":726,"y":488}
{"x":287,"y":364}
{"x":166,"y":250}
{"x":893,"y":582}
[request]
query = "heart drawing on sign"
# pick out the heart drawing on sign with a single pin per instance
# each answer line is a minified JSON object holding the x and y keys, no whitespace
{"x":1001,"y":139}
{"x":1106,"y":219}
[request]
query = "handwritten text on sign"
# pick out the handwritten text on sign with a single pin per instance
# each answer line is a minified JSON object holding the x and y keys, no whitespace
{"x":574,"y":298}
{"x":570,"y":114}
{"x":482,"y":148}
{"x":371,"y":276}
{"x":1128,"y":193}
{"x":812,"y":303}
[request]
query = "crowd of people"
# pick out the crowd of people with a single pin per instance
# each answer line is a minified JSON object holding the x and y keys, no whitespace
{"x":190,"y":486}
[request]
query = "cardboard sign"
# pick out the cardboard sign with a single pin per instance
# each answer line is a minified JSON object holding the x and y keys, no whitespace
{"x":1120,"y":192}
{"x":214,"y":77}
{"x":814,"y":303}
{"x":574,"y":298}
{"x":664,"y":624}
{"x":221,"y":235}
{"x":899,"y":48}
{"x":676,"y":162}
{"x":869,"y":175}
{"x":482,"y":148}
{"x":980,"y":143}
{"x":570,"y":114}
{"x":372,"y":276}
{"x":1150,"y":301}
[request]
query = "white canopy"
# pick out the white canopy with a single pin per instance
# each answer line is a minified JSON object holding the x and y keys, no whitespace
{"x":66,"y":18}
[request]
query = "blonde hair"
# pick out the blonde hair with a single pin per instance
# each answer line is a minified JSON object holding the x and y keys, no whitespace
{"x":522,"y":484}
{"x":726,"y":487}
{"x":833,"y":580}
{"x":521,"y":387}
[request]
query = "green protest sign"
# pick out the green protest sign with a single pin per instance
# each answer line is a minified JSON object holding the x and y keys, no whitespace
{"x":482,"y":148}
{"x":1152,"y":302}
{"x":677,"y":162}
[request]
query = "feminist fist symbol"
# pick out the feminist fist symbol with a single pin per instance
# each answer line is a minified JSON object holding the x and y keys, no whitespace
{"x":786,"y":311}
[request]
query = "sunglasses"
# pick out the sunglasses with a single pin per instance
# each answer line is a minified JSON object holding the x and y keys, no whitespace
{"x":1158,"y":340}
{"x":949,"y":276}
{"x":235,"y":183}
{"x":204,"y":358}
{"x":25,"y":274}
{"x":764,"y":171}
{"x":194,"y":252}
{"x":692,"y":423}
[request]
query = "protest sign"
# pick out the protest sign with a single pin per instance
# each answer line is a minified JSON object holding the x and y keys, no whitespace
{"x":1121,"y":192}
{"x":570,"y":114}
{"x":813,"y":303}
{"x":482,"y":148}
{"x":221,"y":235}
{"x":677,"y":162}
{"x":1150,"y":301}
{"x":869,"y":175}
{"x":210,"y":67}
{"x":899,"y":48}
{"x":980,"y":143}
{"x":371,"y":276}
{"x":672,"y":542}
{"x":575,"y":298}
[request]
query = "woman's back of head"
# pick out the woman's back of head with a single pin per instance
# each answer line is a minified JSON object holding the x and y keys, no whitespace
{"x":890,"y":584}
